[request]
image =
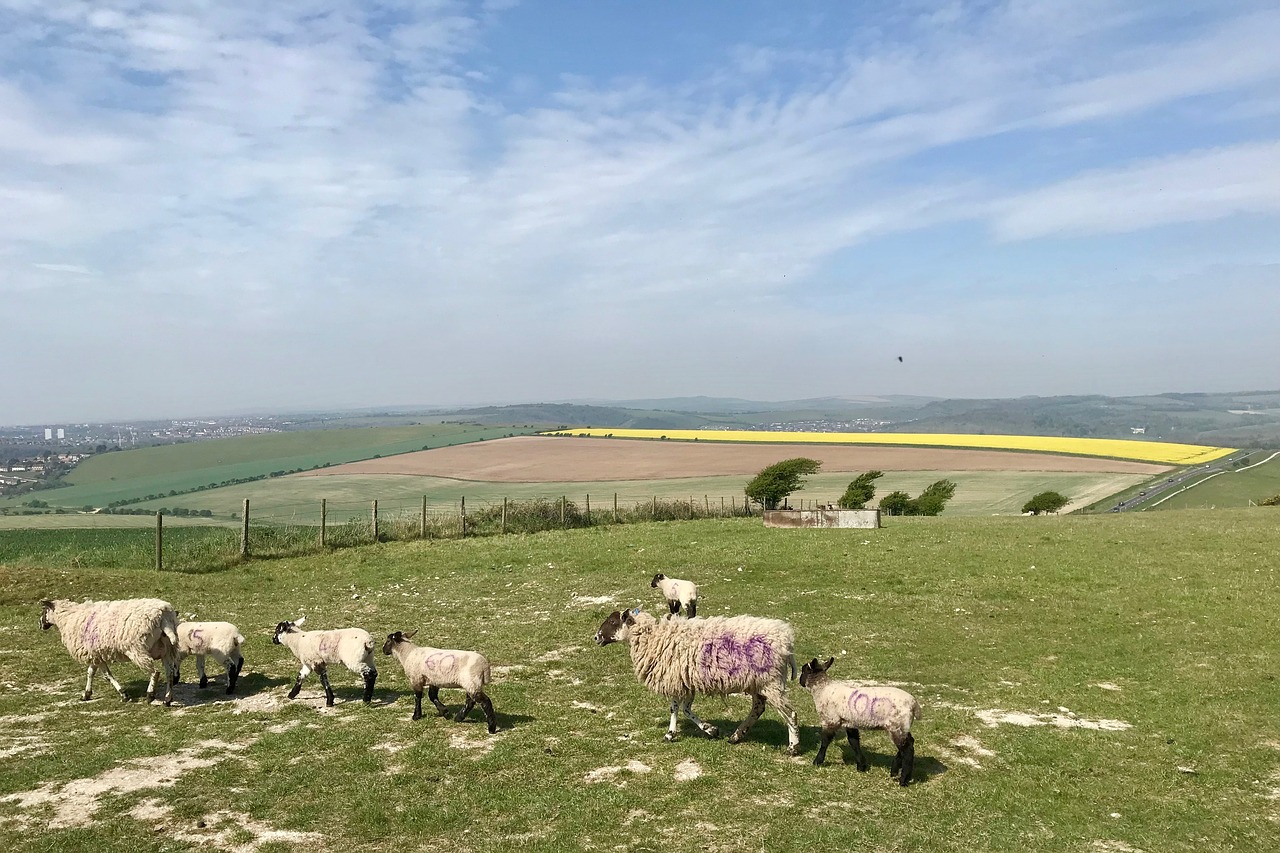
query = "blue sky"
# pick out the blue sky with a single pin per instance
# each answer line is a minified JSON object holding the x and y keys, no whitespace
{"x":209,"y":208}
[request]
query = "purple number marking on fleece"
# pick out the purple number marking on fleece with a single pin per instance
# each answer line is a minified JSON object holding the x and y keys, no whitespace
{"x":864,"y":704}
{"x":727,"y":655}
{"x":441,"y":661}
{"x":197,"y":640}
{"x":328,"y":644}
{"x":89,"y":633}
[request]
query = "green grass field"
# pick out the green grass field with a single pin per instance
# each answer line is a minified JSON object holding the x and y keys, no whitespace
{"x":296,"y":499}
{"x":1090,"y":683}
{"x":128,"y":475}
{"x":1233,"y":488}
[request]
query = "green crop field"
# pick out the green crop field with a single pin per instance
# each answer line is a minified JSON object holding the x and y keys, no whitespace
{"x":131,"y":474}
{"x":296,"y":500}
{"x":1089,"y":683}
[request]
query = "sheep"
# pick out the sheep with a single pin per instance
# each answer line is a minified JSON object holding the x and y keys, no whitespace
{"x":679,"y":658}
{"x":843,"y":704}
{"x":220,"y":640}
{"x":315,"y":650}
{"x":677,"y":593}
{"x":436,"y":668}
{"x":141,"y":630}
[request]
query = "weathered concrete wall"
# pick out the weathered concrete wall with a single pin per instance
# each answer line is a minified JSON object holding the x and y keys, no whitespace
{"x":850,"y":518}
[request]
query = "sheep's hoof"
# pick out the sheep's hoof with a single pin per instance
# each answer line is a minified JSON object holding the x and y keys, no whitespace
{"x":168,"y":702}
{"x":204,"y":682}
{"x":328,"y":701}
{"x":863,"y":767}
{"x":793,"y":750}
{"x":669,"y":737}
{"x":817,"y":762}
{"x":416,"y":716}
{"x":493,"y":729}
{"x":459,"y":717}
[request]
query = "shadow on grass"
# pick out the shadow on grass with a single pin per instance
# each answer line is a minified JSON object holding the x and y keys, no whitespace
{"x":190,"y":694}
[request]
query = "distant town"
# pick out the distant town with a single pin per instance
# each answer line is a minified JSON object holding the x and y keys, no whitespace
{"x":33,"y":455}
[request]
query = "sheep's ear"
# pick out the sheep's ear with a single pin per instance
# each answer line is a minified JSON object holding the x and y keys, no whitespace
{"x":301,"y":619}
{"x":46,"y":604}
{"x":813,"y":663}
{"x":826,"y":666}
{"x":409,"y":635}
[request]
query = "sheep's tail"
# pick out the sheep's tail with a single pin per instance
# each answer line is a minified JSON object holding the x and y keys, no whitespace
{"x":916,"y":713}
{"x":169,"y":627}
{"x":791,"y":662}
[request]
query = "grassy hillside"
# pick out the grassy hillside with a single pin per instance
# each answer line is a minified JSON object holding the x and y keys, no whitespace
{"x":132,"y":474}
{"x":1079,"y":694}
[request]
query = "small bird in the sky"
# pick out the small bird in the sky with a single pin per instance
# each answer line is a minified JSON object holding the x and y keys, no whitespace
{"x":899,"y":358}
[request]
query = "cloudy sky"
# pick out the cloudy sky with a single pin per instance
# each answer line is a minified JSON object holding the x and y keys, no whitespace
{"x":221,"y":207}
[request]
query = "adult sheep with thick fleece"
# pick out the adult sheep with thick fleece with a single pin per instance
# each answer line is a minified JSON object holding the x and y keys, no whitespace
{"x":96,"y":633}
{"x":681,"y":658}
{"x":678,"y":593}
{"x":432,"y":668}
{"x":221,"y":641}
{"x":315,"y":650}
{"x":851,"y":706}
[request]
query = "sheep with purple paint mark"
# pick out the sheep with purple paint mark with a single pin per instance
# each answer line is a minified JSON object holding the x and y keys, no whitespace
{"x":678,"y":593}
{"x":219,"y":640}
{"x":96,"y":633}
{"x":681,"y":658}
{"x":435,"y":668}
{"x":315,"y":650}
{"x":849,"y":706}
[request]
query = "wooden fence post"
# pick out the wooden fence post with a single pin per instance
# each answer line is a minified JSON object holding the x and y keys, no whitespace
{"x":504,"y":515}
{"x":615,"y":507}
{"x":159,"y":541}
{"x":563,"y":500}
{"x":324,"y":519}
{"x":653,"y":514}
{"x":462,"y":516}
{"x":244,"y":533}
{"x":375,"y":521}
{"x":422,"y":529}
{"x":588,"y":510}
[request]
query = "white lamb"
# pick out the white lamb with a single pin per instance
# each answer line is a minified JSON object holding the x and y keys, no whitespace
{"x":849,"y":706}
{"x":680,"y":658}
{"x":141,"y":630}
{"x":678,"y":593}
{"x":315,"y":650}
{"x":436,"y":668}
{"x":219,"y":640}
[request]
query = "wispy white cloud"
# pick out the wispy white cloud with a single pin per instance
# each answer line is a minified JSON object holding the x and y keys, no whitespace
{"x":353,"y":170}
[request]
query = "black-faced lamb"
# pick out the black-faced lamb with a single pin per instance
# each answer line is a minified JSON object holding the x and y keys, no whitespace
{"x":140,"y":630}
{"x":678,"y":593}
{"x":315,"y":650}
{"x":221,"y":641}
{"x":435,"y":668}
{"x":849,"y":706}
{"x":680,"y":658}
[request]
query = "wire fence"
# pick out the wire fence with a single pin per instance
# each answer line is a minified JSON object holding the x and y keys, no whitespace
{"x":286,"y":530}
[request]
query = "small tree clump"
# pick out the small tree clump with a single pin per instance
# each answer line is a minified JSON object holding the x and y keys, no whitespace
{"x":1274,"y":500}
{"x":860,"y":491}
{"x":1046,"y":502}
{"x":774,"y":482}
{"x":931,"y":501}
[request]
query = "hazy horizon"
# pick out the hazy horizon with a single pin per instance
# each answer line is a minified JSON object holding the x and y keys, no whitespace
{"x":301,"y":206}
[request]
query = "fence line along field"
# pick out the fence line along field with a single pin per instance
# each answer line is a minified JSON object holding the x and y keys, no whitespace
{"x":1089,"y":683}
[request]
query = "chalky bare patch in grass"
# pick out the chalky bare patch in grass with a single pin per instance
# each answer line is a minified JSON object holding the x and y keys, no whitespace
{"x":222,"y":830}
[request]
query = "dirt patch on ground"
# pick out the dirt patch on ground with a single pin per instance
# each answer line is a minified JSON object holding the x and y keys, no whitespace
{"x":543,"y":459}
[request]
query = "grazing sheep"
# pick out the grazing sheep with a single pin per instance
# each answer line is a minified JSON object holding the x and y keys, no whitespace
{"x":679,"y":658}
{"x":315,"y":650}
{"x":843,"y":704}
{"x":677,"y":593}
{"x":141,"y":630}
{"x":436,"y":668}
{"x":219,"y":640}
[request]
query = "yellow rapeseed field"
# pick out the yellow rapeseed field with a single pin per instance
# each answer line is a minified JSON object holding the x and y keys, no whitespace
{"x":1113,"y":448}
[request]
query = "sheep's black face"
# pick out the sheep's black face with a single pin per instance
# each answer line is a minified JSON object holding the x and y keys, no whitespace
{"x":392,"y":638}
{"x":813,"y":669}
{"x":610,"y":628}
{"x":653,"y":584}
{"x":282,"y":628}
{"x":45,"y":608}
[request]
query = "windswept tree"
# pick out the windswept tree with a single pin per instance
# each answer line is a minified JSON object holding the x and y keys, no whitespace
{"x":931,"y":501}
{"x":1046,"y":502}
{"x":860,"y":491}
{"x":774,"y":482}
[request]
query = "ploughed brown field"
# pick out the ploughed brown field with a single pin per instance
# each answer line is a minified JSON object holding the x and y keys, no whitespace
{"x":541,"y":459}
